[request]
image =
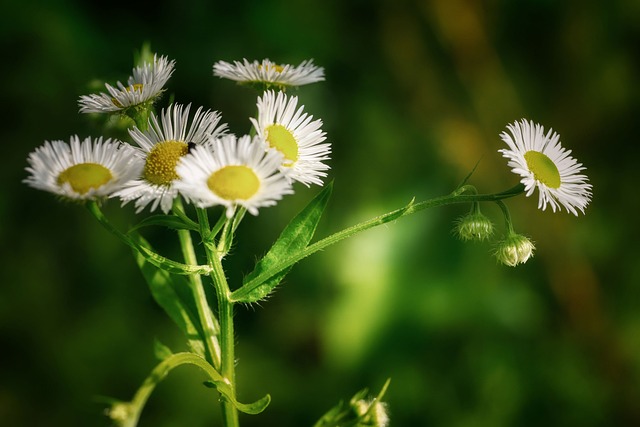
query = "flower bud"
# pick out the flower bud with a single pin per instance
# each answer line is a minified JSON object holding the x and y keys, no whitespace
{"x":473,"y":226}
{"x":372,"y":413}
{"x":515,"y":249}
{"x":120,"y":413}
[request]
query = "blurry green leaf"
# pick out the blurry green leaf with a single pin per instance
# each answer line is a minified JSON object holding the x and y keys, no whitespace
{"x":170,"y":221}
{"x":144,"y":55}
{"x":173,"y":294}
{"x":292,"y":240}
{"x":358,"y":412}
{"x":160,"y":350}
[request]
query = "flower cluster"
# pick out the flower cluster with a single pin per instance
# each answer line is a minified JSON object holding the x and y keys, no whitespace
{"x":175,"y":153}
{"x":541,"y":162}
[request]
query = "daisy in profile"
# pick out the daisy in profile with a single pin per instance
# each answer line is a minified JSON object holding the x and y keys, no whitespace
{"x":287,"y":129}
{"x":233,"y":172}
{"x":167,"y":139}
{"x":143,"y":87}
{"x":85,"y":170}
{"x":269,"y":73}
{"x":543,"y":164}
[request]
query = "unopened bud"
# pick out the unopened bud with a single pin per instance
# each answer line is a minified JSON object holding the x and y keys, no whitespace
{"x":119,"y":412}
{"x":473,"y":226}
{"x":515,"y":249}
{"x":372,"y":414}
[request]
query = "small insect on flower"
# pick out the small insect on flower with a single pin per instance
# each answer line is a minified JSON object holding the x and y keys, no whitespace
{"x":168,"y":138}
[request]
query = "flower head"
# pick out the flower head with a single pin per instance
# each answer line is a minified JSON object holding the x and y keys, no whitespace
{"x":83,"y":170}
{"x":473,"y":226}
{"x":232,"y":172}
{"x":144,"y":86}
{"x":514,"y":249}
{"x":542,"y":163}
{"x":269,"y":73}
{"x":287,"y":129}
{"x":167,"y":139}
{"x":371,"y":413}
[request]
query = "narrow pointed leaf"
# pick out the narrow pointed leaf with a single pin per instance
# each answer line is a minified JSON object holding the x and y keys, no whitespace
{"x":138,"y":243}
{"x":173,"y":294}
{"x":160,"y":350}
{"x":170,"y":221}
{"x":293,"y":239}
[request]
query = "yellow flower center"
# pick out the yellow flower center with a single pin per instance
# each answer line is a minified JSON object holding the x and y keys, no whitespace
{"x":160,"y":167}
{"x":543,"y":168}
{"x":85,"y":176}
{"x":282,"y":140}
{"x":278,"y":68}
{"x":137,"y":87}
{"x":234,"y":183}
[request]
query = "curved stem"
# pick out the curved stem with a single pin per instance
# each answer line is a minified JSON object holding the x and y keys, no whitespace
{"x":158,"y":373}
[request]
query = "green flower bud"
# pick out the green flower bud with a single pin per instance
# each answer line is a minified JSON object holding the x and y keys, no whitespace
{"x":372,"y":413}
{"x":120,"y":412}
{"x":473,"y":226}
{"x":515,"y":249}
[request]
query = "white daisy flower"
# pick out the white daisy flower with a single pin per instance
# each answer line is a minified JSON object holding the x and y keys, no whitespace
{"x":161,"y":146}
{"x":83,"y":170}
{"x":233,"y":172}
{"x":542,"y":162}
{"x":295,"y":134}
{"x":145,"y":85}
{"x":269,"y":73}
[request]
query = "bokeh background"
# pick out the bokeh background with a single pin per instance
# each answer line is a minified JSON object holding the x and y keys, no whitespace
{"x":416,"y":93}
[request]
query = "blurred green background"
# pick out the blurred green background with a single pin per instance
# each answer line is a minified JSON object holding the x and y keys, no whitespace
{"x":416,"y":93}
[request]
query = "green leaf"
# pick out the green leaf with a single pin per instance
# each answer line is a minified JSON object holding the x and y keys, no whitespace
{"x":170,"y":221}
{"x":293,"y":239}
{"x":248,"y":408}
{"x":138,"y":243}
{"x":173,"y":294}
{"x":160,"y":350}
{"x":255,"y":407}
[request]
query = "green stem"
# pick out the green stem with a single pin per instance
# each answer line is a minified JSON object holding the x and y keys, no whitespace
{"x":227,"y":338}
{"x":457,"y":196}
{"x":507,"y":216}
{"x":159,"y":372}
{"x":207,"y":321}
